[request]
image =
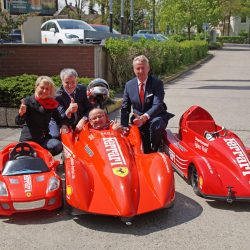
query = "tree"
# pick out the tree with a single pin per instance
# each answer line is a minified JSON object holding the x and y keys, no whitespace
{"x":9,"y":22}
{"x":75,"y":11}
{"x":187,"y":14}
{"x":142,"y":9}
{"x":233,"y":8}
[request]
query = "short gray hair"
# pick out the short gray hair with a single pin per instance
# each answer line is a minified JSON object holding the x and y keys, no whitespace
{"x":141,"y":59}
{"x":68,"y":72}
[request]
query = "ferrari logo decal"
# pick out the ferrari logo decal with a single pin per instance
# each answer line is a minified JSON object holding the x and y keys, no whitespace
{"x":69,"y":190}
{"x":28,"y":194}
{"x":120,"y":171}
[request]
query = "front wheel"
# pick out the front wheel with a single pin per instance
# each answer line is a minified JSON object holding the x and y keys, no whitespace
{"x":194,"y":180}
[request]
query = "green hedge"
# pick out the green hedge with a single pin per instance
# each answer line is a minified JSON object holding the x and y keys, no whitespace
{"x":13,"y":89}
{"x":232,"y":39}
{"x":165,"y":57}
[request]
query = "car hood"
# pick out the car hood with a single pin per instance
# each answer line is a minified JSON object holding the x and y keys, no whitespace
{"x":31,"y":186}
{"x":77,"y":32}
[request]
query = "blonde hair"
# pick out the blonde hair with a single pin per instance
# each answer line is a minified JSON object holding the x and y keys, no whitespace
{"x":47,"y":80}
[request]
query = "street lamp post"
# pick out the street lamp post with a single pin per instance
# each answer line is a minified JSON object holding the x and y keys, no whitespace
{"x":153,"y":17}
{"x":111,"y":16}
{"x":122,"y":16}
{"x":131,"y":17}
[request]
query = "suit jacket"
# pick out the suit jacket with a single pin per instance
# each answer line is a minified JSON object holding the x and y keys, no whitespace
{"x":36,"y":121}
{"x":80,"y":98}
{"x":153,"y":100}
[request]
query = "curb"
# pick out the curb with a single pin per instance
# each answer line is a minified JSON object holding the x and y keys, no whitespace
{"x":114,"y":106}
{"x":170,"y":78}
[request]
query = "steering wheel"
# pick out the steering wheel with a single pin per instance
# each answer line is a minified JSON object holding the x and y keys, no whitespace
{"x":212,"y":135}
{"x":20,"y":150}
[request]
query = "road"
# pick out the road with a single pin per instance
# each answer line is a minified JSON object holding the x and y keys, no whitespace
{"x":220,"y":85}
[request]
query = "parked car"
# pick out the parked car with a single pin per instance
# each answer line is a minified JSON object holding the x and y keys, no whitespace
{"x":14,"y":36}
{"x":67,"y":31}
{"x":103,"y":28}
{"x":147,"y":36}
{"x":144,"y":32}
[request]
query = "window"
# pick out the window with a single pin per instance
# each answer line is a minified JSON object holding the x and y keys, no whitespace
{"x":243,"y":19}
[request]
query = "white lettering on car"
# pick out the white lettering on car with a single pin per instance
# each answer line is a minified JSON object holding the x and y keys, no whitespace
{"x":201,"y":145}
{"x":240,"y":156}
{"x":114,"y":152}
{"x":27,"y":183}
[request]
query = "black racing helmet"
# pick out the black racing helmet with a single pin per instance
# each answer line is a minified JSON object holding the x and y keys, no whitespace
{"x":98,"y":92}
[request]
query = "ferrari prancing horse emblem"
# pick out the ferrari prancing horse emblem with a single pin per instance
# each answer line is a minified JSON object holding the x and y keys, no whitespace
{"x":120,"y":171}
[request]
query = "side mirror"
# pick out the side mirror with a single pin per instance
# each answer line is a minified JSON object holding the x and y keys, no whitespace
{"x":52,"y":30}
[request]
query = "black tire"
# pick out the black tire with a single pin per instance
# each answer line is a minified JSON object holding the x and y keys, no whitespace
{"x":194,"y":179}
{"x":60,"y":42}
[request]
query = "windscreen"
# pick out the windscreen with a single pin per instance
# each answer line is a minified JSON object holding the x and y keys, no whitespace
{"x":74,"y":24}
{"x":25,"y":166}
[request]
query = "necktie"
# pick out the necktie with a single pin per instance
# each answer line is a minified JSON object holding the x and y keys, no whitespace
{"x":141,"y":92}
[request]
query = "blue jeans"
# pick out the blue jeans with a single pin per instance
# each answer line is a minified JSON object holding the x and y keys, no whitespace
{"x":54,"y":129}
{"x":53,"y":145}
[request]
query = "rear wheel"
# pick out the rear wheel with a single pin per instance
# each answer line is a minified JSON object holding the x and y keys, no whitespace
{"x":194,"y":177}
{"x":60,"y":42}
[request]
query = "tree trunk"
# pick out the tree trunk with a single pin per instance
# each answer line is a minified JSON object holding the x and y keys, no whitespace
{"x":229,"y":23}
{"x":189,"y":32}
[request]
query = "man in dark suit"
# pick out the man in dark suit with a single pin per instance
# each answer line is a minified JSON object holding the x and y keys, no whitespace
{"x":73,"y":101}
{"x":145,"y":94}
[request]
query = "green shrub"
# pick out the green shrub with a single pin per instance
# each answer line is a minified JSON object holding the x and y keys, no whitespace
{"x":215,"y":45}
{"x":13,"y":89}
{"x":232,"y":39}
{"x":165,"y":57}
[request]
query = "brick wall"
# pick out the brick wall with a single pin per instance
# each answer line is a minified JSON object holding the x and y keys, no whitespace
{"x":17,"y":59}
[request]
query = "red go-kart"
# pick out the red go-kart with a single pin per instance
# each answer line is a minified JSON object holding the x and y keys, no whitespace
{"x":28,"y":180}
{"x":211,"y":158}
{"x":107,"y":173}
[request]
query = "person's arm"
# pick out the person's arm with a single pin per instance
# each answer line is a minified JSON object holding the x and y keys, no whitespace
{"x":63,"y":107}
{"x":126,"y":108}
{"x":22,"y":113}
{"x":157,"y":106}
{"x":61,"y":121}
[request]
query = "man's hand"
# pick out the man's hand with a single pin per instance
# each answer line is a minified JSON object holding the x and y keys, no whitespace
{"x":73,"y":107}
{"x":64,"y":129}
{"x":23,"y":108}
{"x":80,"y":125}
{"x":140,"y":120}
{"x":125,"y":131}
{"x":115,"y":125}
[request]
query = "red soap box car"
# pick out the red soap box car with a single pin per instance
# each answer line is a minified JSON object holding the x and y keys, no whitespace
{"x":107,"y":173}
{"x":211,"y":158}
{"x":28,"y":180}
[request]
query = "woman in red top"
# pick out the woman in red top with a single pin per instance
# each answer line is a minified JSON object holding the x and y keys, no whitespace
{"x":35,"y":113}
